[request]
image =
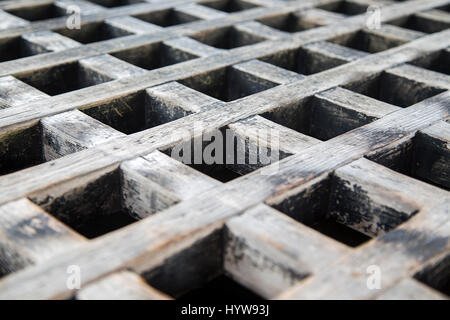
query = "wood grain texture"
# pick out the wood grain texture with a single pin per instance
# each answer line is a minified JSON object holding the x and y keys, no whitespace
{"x":91,"y":121}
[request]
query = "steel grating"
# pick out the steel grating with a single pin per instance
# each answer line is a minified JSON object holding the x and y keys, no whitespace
{"x":91,"y":117}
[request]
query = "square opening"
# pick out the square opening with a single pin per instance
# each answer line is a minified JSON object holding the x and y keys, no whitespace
{"x":93,"y":32}
{"x":311,"y":205}
{"x":167,"y":18}
{"x":115,"y":3}
{"x":36,"y":13}
{"x":185,"y":153}
{"x":226,"y":84}
{"x":386,"y":86}
{"x":228,"y":5}
{"x":303,"y":61}
{"x":62,"y":78}
{"x":14,"y":48}
{"x":345,"y":7}
{"x":128,"y":114}
{"x":366,"y":41}
{"x":92,"y":208}
{"x":438,"y":62}
{"x":223,"y":155}
{"x":192,"y":275}
{"x":285,"y":22}
{"x":316,"y":117}
{"x":153,"y":56}
{"x":20,"y":148}
{"x":421,"y":24}
{"x":421,"y":157}
{"x":227,"y":38}
{"x":131,"y":113}
{"x":437,"y":275}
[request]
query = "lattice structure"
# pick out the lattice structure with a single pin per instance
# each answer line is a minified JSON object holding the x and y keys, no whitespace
{"x":89,"y":116}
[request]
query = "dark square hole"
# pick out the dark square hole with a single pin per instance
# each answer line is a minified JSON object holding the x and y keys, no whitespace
{"x":41,"y":12}
{"x":344,"y":7}
{"x":386,"y":87}
{"x":219,"y":289}
{"x":420,"y":24}
{"x":217,"y":170}
{"x":226,"y":84}
{"x":92,"y":208}
{"x":14,"y":48}
{"x":437,"y":275}
{"x":303,"y":60}
{"x":227,"y":38}
{"x":439,"y":62}
{"x":62,"y":78}
{"x":93,"y":32}
{"x":228,"y":5}
{"x":367,"y":41}
{"x":421,"y":157}
{"x":227,"y":158}
{"x":167,"y":18}
{"x":286,"y":22}
{"x":153,"y":56}
{"x":20,"y":148}
{"x":192,"y":275}
{"x":115,"y":3}
{"x":312,"y":205}
{"x":445,"y":8}
{"x":128,"y":114}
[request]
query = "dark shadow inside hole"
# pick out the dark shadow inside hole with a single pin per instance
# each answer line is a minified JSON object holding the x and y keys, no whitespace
{"x":366,"y":41}
{"x":437,"y":275}
{"x":386,"y":86}
{"x":227,"y":38}
{"x":218,"y":169}
{"x":223,"y":166}
{"x":228,"y":5}
{"x":105,"y":224}
{"x":439,"y":62}
{"x":153,"y":56}
{"x":167,"y":18}
{"x":36,"y":13}
{"x":340,"y":232}
{"x":93,"y":32}
{"x":196,"y":273}
{"x":303,"y":61}
{"x":288,"y":23}
{"x":218,"y":172}
{"x":226,"y":84}
{"x":92,"y":209}
{"x":20,"y":149}
{"x":296,"y":116}
{"x":416,"y":158}
{"x":345,"y":7}
{"x":62,"y":78}
{"x":115,"y":3}
{"x":310,"y":206}
{"x":125,"y":114}
{"x":219,"y":289}
{"x":421,"y":24}
{"x":13,"y":48}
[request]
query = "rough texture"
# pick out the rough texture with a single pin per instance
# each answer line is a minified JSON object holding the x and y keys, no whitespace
{"x":91,"y":121}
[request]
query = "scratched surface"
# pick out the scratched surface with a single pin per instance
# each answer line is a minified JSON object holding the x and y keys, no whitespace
{"x":98,"y":97}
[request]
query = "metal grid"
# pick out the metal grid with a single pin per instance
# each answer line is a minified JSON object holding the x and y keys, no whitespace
{"x":89,"y":117}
